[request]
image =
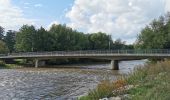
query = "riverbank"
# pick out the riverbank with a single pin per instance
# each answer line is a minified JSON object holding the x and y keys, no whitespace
{"x":51,"y":64}
{"x":150,"y":82}
{"x":9,"y":66}
{"x":3,"y":65}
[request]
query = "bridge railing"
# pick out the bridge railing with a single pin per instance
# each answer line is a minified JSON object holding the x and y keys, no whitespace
{"x":91,"y":52}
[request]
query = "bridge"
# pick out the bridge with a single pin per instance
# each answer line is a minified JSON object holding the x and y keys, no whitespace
{"x":113,"y":55}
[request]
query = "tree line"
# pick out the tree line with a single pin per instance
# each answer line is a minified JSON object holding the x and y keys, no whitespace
{"x":156,"y":35}
{"x":57,"y":38}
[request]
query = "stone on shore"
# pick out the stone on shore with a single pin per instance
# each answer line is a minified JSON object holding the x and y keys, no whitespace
{"x":111,"y":98}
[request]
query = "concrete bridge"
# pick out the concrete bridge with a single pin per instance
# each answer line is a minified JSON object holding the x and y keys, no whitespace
{"x":114,"y":55}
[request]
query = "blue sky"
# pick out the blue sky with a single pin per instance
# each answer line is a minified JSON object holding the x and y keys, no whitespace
{"x":44,"y":11}
{"x":122,"y":19}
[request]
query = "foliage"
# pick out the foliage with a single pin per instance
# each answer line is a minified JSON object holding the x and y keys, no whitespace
{"x":42,"y":40}
{"x":57,"y":38}
{"x":104,"y":89}
{"x":1,"y":33}
{"x":156,"y":35}
{"x":25,"y":39}
{"x":3,"y":48}
{"x":2,"y":64}
{"x":118,"y":44}
{"x":99,"y":41}
{"x":155,"y":83}
{"x":149,"y":82}
{"x":10,"y":40}
{"x":63,"y":38}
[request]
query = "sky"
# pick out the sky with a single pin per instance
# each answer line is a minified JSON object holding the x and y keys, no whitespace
{"x":123,"y":19}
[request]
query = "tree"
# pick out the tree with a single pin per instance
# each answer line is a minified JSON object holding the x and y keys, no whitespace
{"x":81,"y":41}
{"x":156,"y":35}
{"x":99,"y":41}
{"x":25,"y":39}
{"x":64,"y":38}
{"x":59,"y":37}
{"x":119,"y":44}
{"x":10,"y":40}
{"x":1,"y":33}
{"x":42,"y":40}
{"x":3,"y":48}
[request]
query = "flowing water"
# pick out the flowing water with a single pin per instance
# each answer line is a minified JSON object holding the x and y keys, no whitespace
{"x":57,"y":83}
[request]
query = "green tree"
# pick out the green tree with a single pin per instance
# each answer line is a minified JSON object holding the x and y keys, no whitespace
{"x":119,"y":44}
{"x":42,"y":40}
{"x":81,"y":41}
{"x":1,"y":33}
{"x":64,"y":38}
{"x":25,"y":39}
{"x":156,"y":35}
{"x":99,"y":41}
{"x":10,"y":40}
{"x":3,"y":48}
{"x":58,"y":33}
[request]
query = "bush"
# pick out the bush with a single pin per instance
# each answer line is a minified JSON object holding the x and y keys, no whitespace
{"x":150,"y":82}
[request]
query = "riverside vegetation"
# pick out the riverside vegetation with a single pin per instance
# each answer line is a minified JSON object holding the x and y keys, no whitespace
{"x":145,"y":83}
{"x":57,"y":38}
{"x":148,"y":82}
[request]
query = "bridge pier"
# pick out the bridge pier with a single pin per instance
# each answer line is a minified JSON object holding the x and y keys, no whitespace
{"x":115,"y":64}
{"x":39,"y":63}
{"x":36,"y":63}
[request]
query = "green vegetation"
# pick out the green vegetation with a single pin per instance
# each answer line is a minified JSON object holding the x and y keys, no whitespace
{"x":10,"y":64}
{"x":4,"y":65}
{"x":62,"y":38}
{"x":150,"y":82}
{"x":1,"y":33}
{"x":3,"y":48}
{"x":57,"y":38}
{"x":9,"y":39}
{"x":156,"y":35}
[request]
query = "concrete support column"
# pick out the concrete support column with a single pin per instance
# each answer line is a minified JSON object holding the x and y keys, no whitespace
{"x":115,"y":64}
{"x":36,"y":63}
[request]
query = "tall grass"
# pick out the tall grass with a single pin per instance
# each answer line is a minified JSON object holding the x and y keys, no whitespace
{"x":150,"y":82}
{"x":104,"y":89}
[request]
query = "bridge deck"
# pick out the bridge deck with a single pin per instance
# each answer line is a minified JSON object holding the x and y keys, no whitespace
{"x":114,"y":55}
{"x":108,"y":54}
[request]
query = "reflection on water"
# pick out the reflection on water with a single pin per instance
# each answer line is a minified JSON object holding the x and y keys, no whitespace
{"x":56,"y":83}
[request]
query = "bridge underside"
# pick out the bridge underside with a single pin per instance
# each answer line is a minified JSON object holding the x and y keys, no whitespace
{"x":114,"y":64}
{"x":107,"y":57}
{"x":115,"y":59}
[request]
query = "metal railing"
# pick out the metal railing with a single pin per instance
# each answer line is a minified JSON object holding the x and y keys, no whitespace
{"x":90,"y":52}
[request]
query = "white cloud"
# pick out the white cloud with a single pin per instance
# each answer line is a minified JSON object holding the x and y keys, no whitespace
{"x":11,"y":17}
{"x":167,"y":3}
{"x":26,"y":3}
{"x":122,"y":18}
{"x":54,"y":22}
{"x":38,"y":5}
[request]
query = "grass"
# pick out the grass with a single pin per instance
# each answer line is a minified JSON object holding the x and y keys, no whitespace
{"x":150,"y":82}
{"x":3,"y":65}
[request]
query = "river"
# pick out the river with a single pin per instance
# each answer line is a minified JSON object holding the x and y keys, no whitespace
{"x":57,"y":83}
